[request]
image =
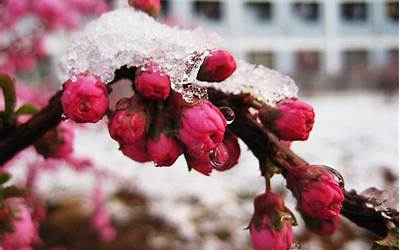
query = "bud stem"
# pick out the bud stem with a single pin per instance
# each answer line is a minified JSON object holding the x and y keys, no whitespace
{"x":267,"y":183}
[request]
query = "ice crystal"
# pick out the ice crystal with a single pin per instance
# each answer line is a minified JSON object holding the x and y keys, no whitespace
{"x":269,"y":86}
{"x":132,"y":38}
{"x":128,"y":37}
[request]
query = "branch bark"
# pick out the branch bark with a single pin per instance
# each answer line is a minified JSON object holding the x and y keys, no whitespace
{"x":27,"y":134}
{"x":48,"y":118}
{"x":264,"y":145}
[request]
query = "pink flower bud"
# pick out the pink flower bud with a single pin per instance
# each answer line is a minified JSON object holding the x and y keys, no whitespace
{"x":56,"y":143}
{"x":270,"y":226}
{"x":136,"y":151}
{"x":128,"y":124}
{"x":151,"y":7}
{"x":232,"y":148}
{"x":202,"y":127}
{"x":318,"y":193}
{"x":201,"y":163}
{"x":295,"y":121}
{"x":85,"y":100}
{"x":164,"y":150}
{"x":217,"y":66}
{"x":152,"y":83}
{"x":16,"y":8}
{"x":56,"y":14}
{"x":126,"y":127}
{"x":101,"y":222}
{"x":322,"y":227}
{"x":25,"y":232}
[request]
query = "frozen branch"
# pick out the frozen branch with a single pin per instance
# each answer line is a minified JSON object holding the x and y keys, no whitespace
{"x":264,"y":145}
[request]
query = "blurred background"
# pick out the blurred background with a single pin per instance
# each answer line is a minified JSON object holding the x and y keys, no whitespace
{"x":332,"y":44}
{"x":343,"y":55}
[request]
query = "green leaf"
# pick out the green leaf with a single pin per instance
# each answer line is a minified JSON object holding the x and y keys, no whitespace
{"x":391,"y":241}
{"x":4,"y":177}
{"x":10,"y":99}
{"x":26,"y":109}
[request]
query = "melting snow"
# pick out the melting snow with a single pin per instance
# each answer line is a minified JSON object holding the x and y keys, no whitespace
{"x":128,"y":37}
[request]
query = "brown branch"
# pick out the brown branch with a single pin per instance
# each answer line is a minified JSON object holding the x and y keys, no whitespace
{"x":265,"y":144}
{"x":26,"y":134}
{"x":356,"y":210}
{"x":49,"y":117}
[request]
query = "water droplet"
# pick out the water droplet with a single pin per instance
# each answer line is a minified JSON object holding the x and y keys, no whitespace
{"x":337,"y":175}
{"x":219,"y":156}
{"x":369,"y":205}
{"x":384,"y":215}
{"x":64,"y":117}
{"x":228,"y":113}
{"x":295,"y":245}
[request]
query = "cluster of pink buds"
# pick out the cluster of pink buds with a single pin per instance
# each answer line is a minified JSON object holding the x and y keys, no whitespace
{"x":319,"y":197}
{"x":20,"y":52}
{"x":156,"y":124}
{"x":318,"y":192}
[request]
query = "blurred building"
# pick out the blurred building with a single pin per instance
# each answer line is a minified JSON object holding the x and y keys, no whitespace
{"x":352,"y":42}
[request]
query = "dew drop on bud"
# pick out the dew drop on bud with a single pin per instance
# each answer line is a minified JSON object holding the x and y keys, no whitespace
{"x":63,"y":117}
{"x":219,"y":156}
{"x":228,"y":113}
{"x":337,"y":175}
{"x":369,"y":205}
{"x":385,"y":215}
{"x":295,"y":246}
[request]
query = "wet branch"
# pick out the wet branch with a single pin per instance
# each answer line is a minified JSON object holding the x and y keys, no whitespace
{"x":264,"y":145}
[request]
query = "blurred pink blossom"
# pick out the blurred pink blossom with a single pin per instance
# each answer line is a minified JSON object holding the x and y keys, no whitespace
{"x":25,"y":232}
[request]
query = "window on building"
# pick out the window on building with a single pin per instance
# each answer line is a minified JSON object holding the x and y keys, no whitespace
{"x":355,"y":60}
{"x":307,"y":11}
{"x":354,"y":12}
{"x":262,"y":10}
{"x":209,"y":9}
{"x":165,"y":7}
{"x":393,"y":53}
{"x":389,"y":76}
{"x":261,"y":57}
{"x":392,"y":11}
{"x":308,"y":61}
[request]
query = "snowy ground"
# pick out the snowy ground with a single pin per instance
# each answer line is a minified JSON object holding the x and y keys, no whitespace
{"x":356,"y":133}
